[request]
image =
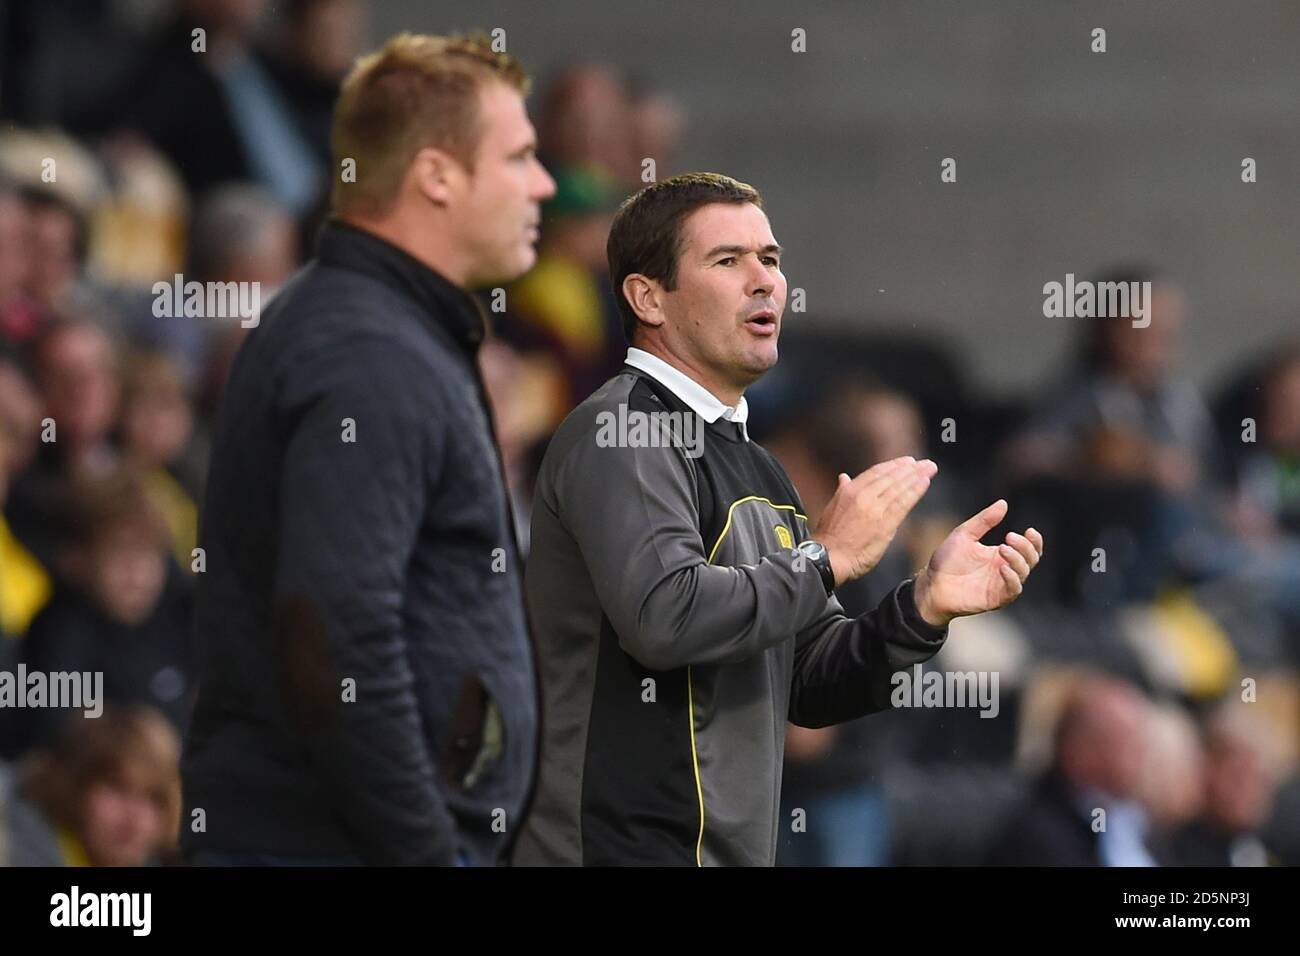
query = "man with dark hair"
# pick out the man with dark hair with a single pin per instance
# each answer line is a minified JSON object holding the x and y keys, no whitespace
{"x":683,"y":607}
{"x":368,"y":692}
{"x":649,"y":234}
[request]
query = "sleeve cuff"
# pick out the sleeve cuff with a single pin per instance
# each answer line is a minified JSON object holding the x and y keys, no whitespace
{"x":912,"y":617}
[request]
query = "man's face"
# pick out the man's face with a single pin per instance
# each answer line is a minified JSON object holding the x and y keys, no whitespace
{"x":498,"y":215}
{"x":724,"y":317}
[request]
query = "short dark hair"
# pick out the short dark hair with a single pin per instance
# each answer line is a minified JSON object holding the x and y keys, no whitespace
{"x":646,"y":235}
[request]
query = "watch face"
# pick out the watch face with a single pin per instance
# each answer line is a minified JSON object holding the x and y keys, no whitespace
{"x":813,"y":549}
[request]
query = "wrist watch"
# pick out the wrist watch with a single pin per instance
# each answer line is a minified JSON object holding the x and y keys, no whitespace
{"x":815,"y":552}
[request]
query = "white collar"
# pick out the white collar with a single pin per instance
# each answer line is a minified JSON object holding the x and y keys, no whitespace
{"x":698,"y":398}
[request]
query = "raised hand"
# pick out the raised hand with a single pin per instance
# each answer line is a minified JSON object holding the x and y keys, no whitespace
{"x":966,"y":577}
{"x":863,"y":516}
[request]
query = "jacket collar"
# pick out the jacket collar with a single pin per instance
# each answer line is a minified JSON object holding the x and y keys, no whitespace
{"x":447,"y":305}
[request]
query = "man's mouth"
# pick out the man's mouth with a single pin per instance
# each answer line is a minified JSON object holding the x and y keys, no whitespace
{"x":762,"y":323}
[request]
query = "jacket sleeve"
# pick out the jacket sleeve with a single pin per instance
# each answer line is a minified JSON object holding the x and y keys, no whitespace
{"x":844,"y":667}
{"x":349,"y":515}
{"x":634,"y":514}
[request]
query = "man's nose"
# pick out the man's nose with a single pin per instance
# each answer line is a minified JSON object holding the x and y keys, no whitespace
{"x":761,"y":281}
{"x":545,"y":185}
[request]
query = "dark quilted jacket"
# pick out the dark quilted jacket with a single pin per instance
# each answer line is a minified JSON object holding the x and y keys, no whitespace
{"x":367,"y":686}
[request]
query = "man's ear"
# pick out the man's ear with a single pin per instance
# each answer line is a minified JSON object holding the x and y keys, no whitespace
{"x":646,"y":297}
{"x":437,"y":175}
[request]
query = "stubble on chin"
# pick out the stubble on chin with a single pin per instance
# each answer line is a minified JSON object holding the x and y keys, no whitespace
{"x":757,"y":362}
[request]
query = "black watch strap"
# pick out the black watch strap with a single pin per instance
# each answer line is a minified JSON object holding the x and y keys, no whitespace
{"x":816,"y":554}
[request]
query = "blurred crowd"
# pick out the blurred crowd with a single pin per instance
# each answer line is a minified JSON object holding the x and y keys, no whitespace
{"x":1148,"y":705}
{"x":1149,"y":712}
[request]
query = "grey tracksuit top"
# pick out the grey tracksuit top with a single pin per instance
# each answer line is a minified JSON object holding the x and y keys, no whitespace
{"x":676,"y":633}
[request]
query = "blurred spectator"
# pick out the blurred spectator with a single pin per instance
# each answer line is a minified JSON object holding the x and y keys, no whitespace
{"x":242,"y":234}
{"x":138,"y":229}
{"x":76,"y":373}
{"x":26,"y":838}
{"x":61,"y":184}
{"x":1268,"y":482}
{"x":1264,"y":500}
{"x":239,"y":234}
{"x":656,"y":122}
{"x":1238,"y":796}
{"x":584,"y":121}
{"x":1173,"y":778}
{"x":56,"y":59}
{"x":156,"y":426}
{"x":1125,"y":414}
{"x":526,"y":395}
{"x":1084,"y":810}
{"x":1240,"y":549}
{"x":314,"y":47}
{"x":25,"y":584}
{"x":1123,"y":447}
{"x":19,"y":315}
{"x":58,"y":251}
{"x":591,"y":118}
{"x":126,"y":610}
{"x":92,"y":240}
{"x":108,"y":791}
{"x":564,"y":305}
{"x":210,"y":103}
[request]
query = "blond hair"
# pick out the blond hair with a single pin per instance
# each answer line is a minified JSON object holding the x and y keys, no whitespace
{"x":416,"y":91}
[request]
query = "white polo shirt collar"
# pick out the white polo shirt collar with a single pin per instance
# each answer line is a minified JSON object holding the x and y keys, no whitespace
{"x":698,"y":398}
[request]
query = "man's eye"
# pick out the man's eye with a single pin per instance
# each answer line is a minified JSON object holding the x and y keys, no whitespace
{"x":727,"y":261}
{"x":770,"y":261}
